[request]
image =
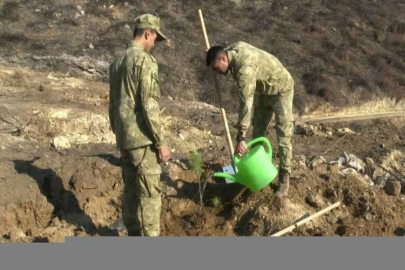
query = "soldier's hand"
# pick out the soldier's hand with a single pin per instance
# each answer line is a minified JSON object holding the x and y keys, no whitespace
{"x":241,"y":148}
{"x":164,"y":153}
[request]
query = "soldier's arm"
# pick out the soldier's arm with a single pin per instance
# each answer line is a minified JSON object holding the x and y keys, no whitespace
{"x":246,"y":90}
{"x":150,"y":94}
{"x":112,"y":98}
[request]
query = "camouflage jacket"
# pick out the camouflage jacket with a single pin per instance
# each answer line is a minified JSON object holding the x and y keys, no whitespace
{"x":255,"y":71}
{"x":134,"y":93}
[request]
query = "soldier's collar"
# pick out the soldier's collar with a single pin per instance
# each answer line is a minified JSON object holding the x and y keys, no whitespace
{"x":133,"y":43}
{"x":231,"y":61}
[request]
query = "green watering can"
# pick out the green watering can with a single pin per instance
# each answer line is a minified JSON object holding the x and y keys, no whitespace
{"x":255,"y":168}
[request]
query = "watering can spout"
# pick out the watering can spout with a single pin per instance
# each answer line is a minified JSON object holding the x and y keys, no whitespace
{"x":227,"y":176}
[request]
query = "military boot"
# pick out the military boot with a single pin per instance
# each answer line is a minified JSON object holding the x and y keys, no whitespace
{"x":284,"y":184}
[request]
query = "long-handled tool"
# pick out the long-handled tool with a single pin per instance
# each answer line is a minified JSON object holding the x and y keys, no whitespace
{"x":223,"y":114}
{"x":305,"y":220}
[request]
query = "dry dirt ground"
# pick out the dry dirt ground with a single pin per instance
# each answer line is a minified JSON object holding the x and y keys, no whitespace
{"x":49,"y":193}
{"x":59,"y":169}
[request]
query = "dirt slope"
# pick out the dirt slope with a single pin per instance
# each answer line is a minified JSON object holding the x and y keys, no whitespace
{"x":49,"y":192}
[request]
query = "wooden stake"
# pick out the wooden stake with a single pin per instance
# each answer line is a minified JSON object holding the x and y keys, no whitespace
{"x":305,"y":220}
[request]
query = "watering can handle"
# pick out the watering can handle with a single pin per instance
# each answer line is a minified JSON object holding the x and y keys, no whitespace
{"x":262,"y":139}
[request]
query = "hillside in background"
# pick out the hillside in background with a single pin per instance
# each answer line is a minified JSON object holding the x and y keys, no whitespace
{"x":341,"y":53}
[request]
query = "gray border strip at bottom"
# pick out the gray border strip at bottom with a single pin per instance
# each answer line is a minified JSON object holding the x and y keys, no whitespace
{"x":207,"y":253}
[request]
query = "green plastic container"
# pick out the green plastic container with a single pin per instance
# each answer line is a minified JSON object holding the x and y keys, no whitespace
{"x":255,"y":168}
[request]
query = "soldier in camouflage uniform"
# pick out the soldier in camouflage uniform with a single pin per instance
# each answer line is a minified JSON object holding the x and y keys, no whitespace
{"x":135,"y":119}
{"x":257,"y":71}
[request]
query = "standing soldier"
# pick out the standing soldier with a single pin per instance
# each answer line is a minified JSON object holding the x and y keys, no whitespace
{"x":258,"y":71}
{"x":135,"y":119}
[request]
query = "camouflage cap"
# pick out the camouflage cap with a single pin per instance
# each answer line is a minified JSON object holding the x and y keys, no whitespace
{"x":148,"y":21}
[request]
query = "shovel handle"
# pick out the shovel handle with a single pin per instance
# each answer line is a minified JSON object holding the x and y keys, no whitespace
{"x":207,"y":43}
{"x":223,"y":113}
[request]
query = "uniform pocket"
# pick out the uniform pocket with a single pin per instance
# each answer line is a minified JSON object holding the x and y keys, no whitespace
{"x":155,"y":93}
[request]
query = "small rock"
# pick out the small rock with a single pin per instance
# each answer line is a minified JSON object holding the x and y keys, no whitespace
{"x":368,"y":217}
{"x":127,"y":26}
{"x":393,"y":188}
{"x":60,"y":142}
{"x":314,"y":200}
{"x":16,"y":235}
{"x":180,"y":184}
{"x":343,"y":131}
{"x":2,"y":239}
{"x":302,"y":160}
{"x":400,"y":232}
{"x":180,"y":164}
{"x":171,"y":192}
{"x":331,"y":218}
{"x":170,"y":98}
{"x":379,"y":36}
{"x":37,"y":10}
{"x":351,"y":161}
{"x":316,"y":161}
{"x":285,"y":8}
{"x":303,"y":129}
{"x":348,"y":171}
{"x":41,"y":88}
{"x":91,"y":46}
{"x":263,"y":211}
{"x":370,"y":167}
{"x":118,"y":225}
{"x":364,"y":179}
{"x":61,"y":114}
{"x":56,"y":222}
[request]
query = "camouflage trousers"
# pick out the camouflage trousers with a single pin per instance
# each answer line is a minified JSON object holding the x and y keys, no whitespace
{"x":282,"y":106}
{"x":142,"y":193}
